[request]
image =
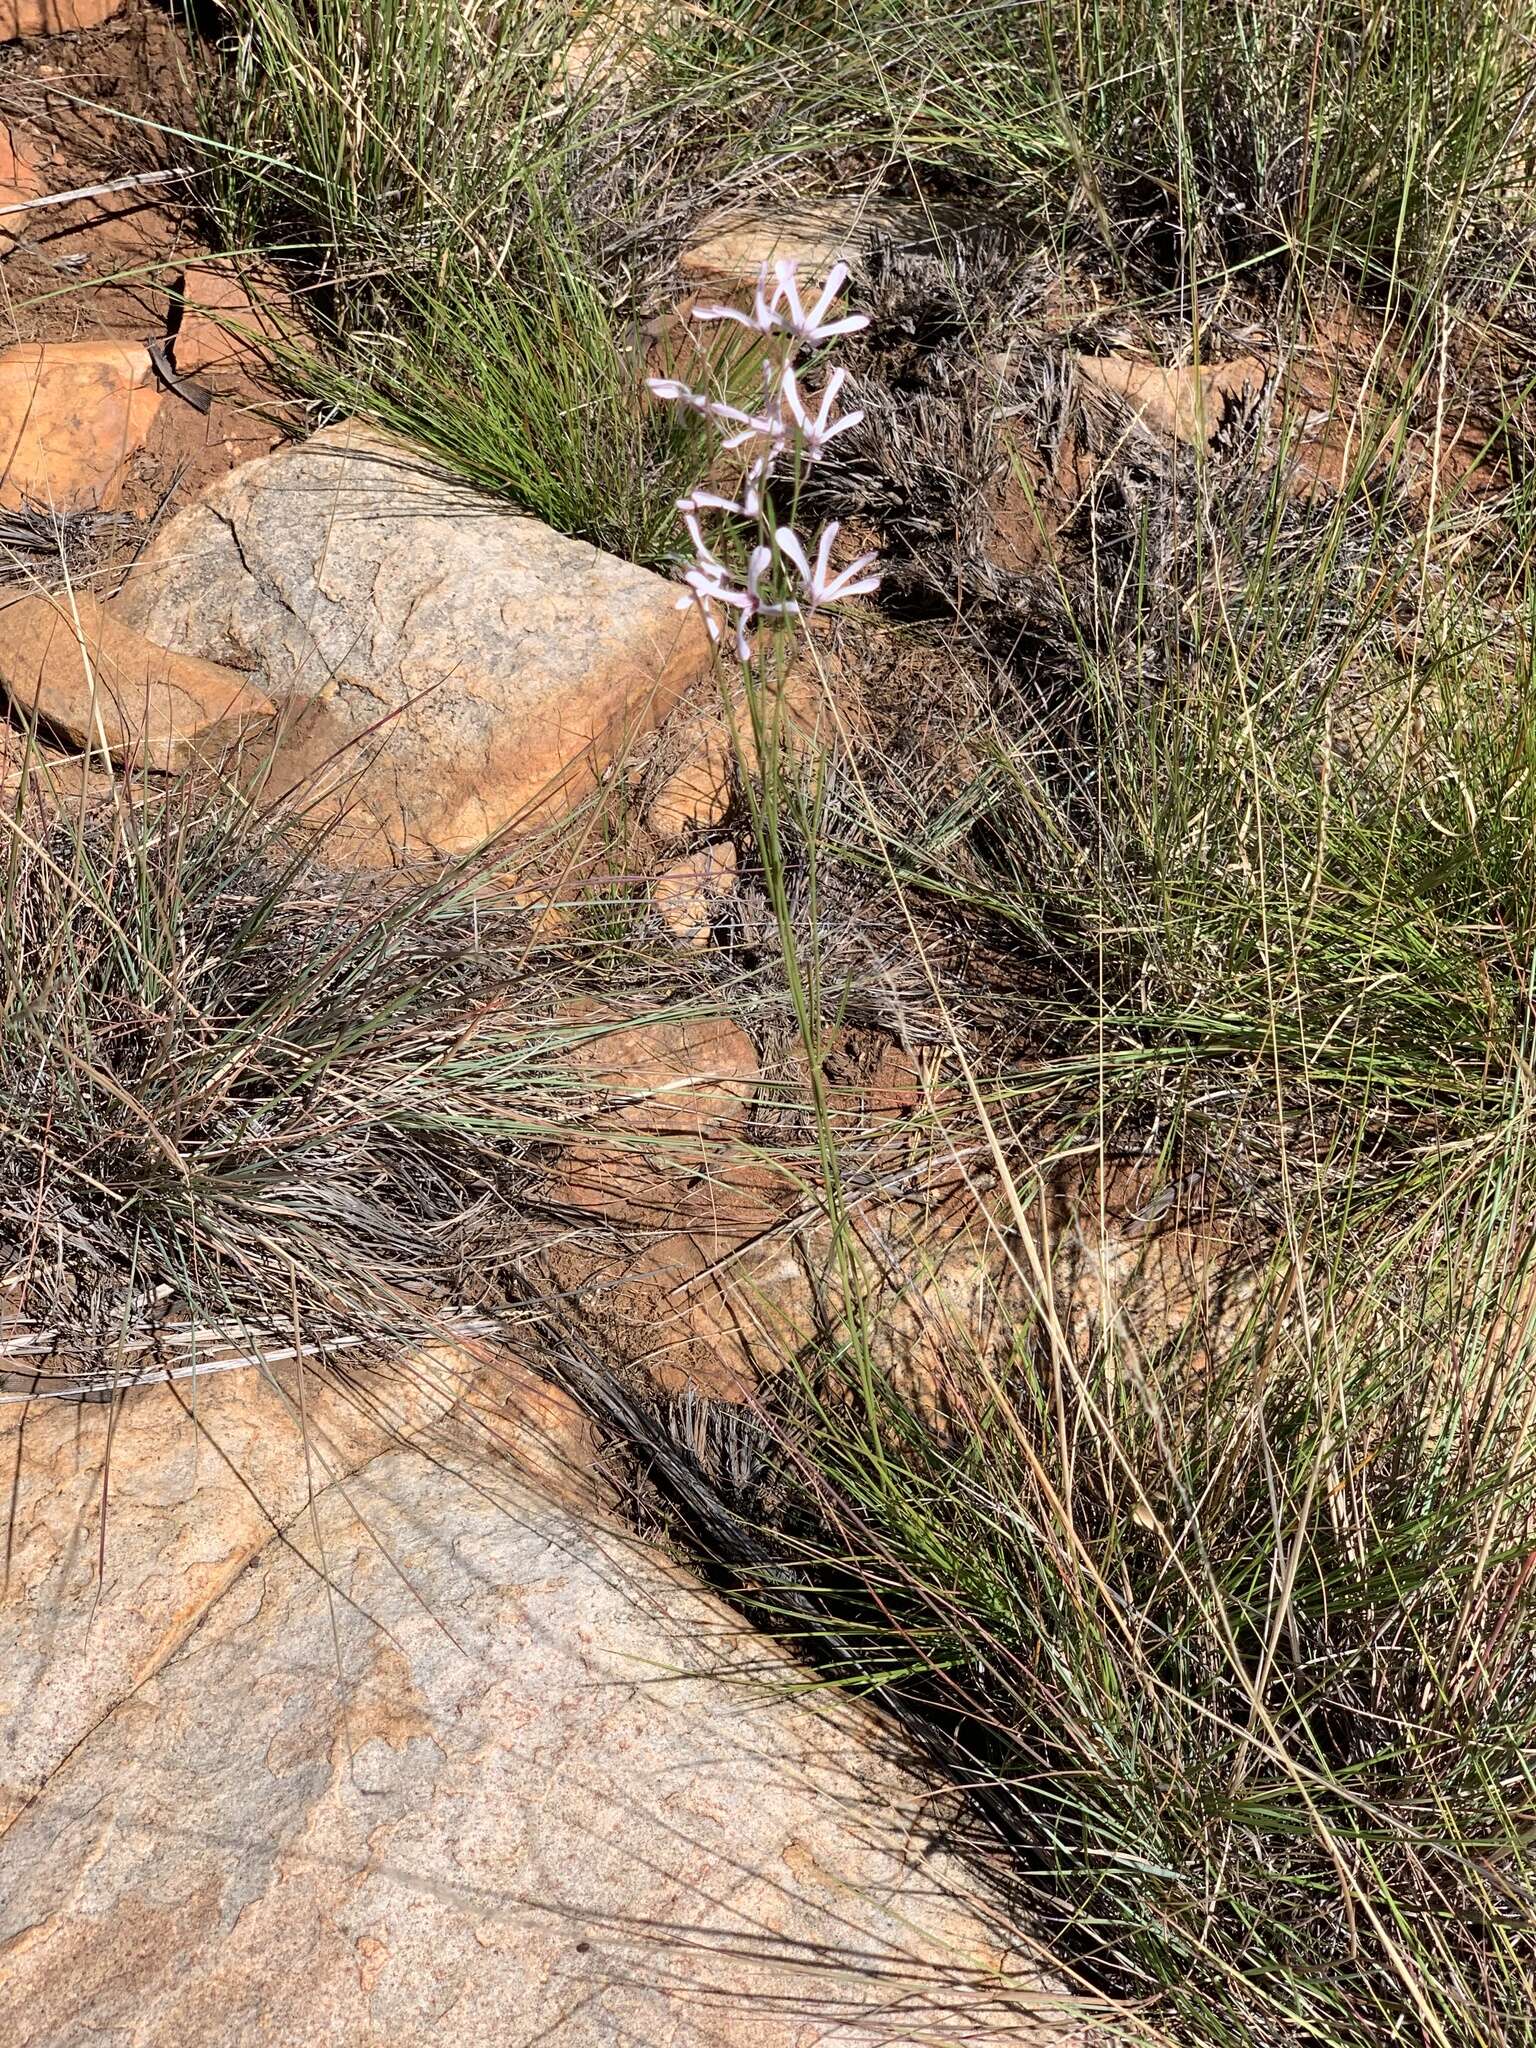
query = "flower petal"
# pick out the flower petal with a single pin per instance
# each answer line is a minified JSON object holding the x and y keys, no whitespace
{"x":849,"y":419}
{"x":758,"y":563}
{"x":785,"y":271}
{"x":792,"y":550}
{"x":837,"y":276}
{"x":824,"y":552}
{"x":727,"y":313}
{"x":853,"y":581}
{"x":834,"y":384}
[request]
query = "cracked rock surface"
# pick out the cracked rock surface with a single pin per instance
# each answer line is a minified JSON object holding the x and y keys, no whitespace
{"x":447,"y":668}
{"x":445,"y":1758}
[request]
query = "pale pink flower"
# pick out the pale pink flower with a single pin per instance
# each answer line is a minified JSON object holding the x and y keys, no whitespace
{"x":671,"y":391}
{"x":787,"y":421}
{"x":703,"y":556}
{"x":763,"y":319}
{"x":812,"y":326}
{"x":782,"y":311}
{"x":758,"y":606}
{"x":818,"y":585}
{"x":708,"y":589}
{"x":715,"y":501}
{"x":747,"y":506}
{"x":703,"y":593}
{"x":770,"y":427}
{"x":750,"y":504}
{"x":815,"y":430}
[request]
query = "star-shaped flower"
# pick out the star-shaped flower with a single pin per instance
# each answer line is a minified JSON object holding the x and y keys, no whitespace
{"x":780,"y":310}
{"x":709,"y":588}
{"x":813,"y":326}
{"x":815,"y":430}
{"x":818,"y":586}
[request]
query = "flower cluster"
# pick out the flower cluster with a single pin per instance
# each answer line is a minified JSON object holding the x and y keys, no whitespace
{"x":781,"y":579}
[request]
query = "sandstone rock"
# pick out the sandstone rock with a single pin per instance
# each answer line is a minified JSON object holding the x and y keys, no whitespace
{"x":127,"y":1522}
{"x":695,"y":795}
{"x":1133,"y":1278}
{"x":508,"y":1412}
{"x":712,"y":1267}
{"x":707,"y":739}
{"x":689,"y":894}
{"x":1187,"y":404}
{"x":730,"y":1317}
{"x":223,"y":323}
{"x":53,"y":17}
{"x":705,"y":1289}
{"x":662,"y":1076}
{"x":448,"y":668}
{"x":21,"y":176}
{"x":718,"y":1281}
{"x":612,"y":50}
{"x":942,"y":1293}
{"x":728,"y":248}
{"x":448,"y":1763}
{"x":659,"y":1190}
{"x":72,"y":413}
{"x":38,"y":780}
{"x":109,"y":689}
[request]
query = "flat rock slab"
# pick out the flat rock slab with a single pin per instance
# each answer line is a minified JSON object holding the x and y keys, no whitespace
{"x":223,"y":323}
{"x":108,"y":689}
{"x":126,"y":1521}
{"x":53,"y":17}
{"x":1187,"y":403}
{"x":728,"y":248}
{"x":72,"y":414}
{"x":449,"y":669}
{"x":481,"y":1779}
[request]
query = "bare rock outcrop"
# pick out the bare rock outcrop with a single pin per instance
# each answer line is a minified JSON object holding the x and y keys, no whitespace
{"x":447,"y":668}
{"x":449,"y":1761}
{"x":72,"y":415}
{"x":127,"y":1521}
{"x":107,"y":689}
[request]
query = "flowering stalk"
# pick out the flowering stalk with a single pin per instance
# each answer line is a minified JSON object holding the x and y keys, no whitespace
{"x":780,"y":579}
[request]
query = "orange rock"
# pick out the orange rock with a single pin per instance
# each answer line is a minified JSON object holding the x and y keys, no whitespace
{"x":728,"y":248}
{"x":707,"y":740}
{"x":53,"y":17}
{"x":1188,"y":403}
{"x":450,"y":670}
{"x":129,"y":1521}
{"x":698,"y":1310}
{"x":71,"y":415}
{"x":621,"y":1180}
{"x":223,"y":326}
{"x":20,"y":176}
{"x":664,"y":1075}
{"x":691,"y":1282}
{"x":689,"y":894}
{"x":696,"y":794}
{"x":614,"y":45}
{"x":1133,"y":1277}
{"x":105,"y":686}
{"x":38,"y":781}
